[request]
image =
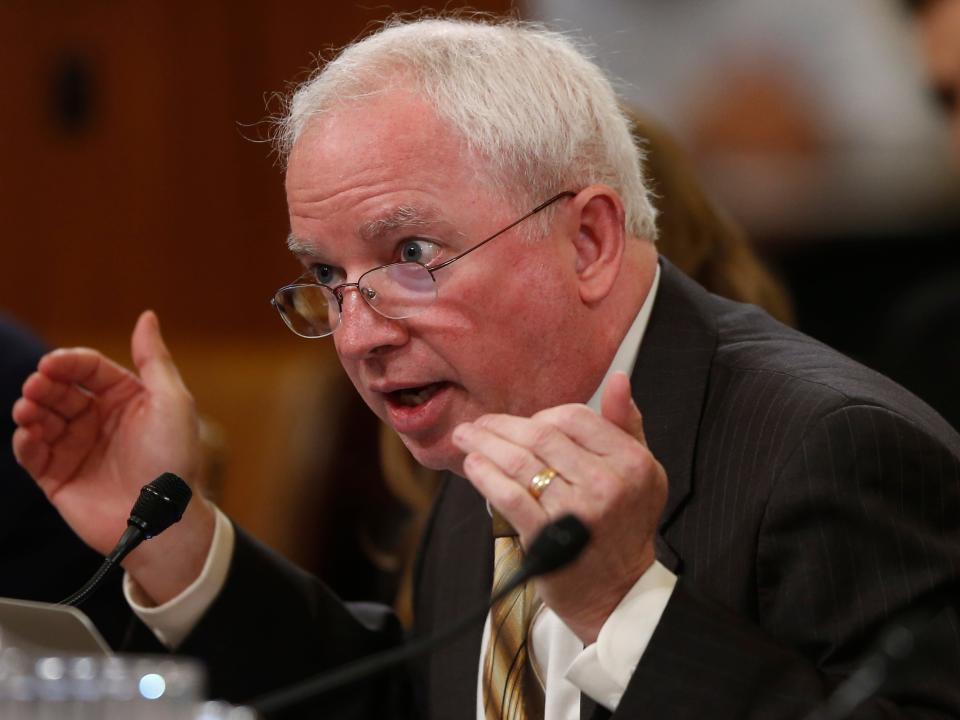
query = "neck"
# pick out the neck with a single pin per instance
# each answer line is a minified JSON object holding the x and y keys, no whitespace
{"x":620,"y":307}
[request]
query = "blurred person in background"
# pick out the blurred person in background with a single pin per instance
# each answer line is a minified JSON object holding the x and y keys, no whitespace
{"x":805,"y":119}
{"x":920,"y":344}
{"x":938,"y":22}
{"x":696,"y":233}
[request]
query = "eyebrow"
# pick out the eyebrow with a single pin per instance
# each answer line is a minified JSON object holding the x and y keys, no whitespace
{"x":298,"y":247}
{"x":398,"y":218}
{"x":403,"y":216}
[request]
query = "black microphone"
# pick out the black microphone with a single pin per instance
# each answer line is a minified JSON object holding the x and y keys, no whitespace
{"x":161,"y":503}
{"x":557,"y":545}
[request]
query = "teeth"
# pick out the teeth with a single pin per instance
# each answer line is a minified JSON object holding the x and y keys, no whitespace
{"x":416,"y":397}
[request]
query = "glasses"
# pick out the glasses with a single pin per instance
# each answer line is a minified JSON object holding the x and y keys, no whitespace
{"x":398,"y":290}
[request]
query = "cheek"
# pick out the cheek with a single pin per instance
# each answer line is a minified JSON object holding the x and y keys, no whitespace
{"x":489,"y":318}
{"x":539,"y":304}
{"x":513,"y":329}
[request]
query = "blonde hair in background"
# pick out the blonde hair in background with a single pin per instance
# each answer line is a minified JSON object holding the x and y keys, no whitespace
{"x":698,"y":235}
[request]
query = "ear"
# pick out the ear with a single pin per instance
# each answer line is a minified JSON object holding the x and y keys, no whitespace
{"x":598,"y":241}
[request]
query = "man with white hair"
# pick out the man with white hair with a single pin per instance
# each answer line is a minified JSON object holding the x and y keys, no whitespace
{"x":477,"y":239}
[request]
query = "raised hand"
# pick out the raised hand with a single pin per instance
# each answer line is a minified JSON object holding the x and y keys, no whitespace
{"x":92,"y":433}
{"x":606,"y":476}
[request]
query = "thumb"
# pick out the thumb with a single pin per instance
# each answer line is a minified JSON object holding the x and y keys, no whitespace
{"x":617,"y":406}
{"x":151,"y":356}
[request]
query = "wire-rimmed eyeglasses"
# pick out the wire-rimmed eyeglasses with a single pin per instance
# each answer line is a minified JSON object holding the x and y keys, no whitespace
{"x":397,"y":290}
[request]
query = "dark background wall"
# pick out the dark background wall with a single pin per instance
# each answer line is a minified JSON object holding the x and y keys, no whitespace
{"x":128,"y":179}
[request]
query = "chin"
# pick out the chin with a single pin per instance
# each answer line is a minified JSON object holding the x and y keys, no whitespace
{"x":439,"y":455}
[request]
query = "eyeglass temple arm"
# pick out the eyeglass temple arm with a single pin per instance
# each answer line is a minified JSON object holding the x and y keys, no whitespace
{"x":538,"y":208}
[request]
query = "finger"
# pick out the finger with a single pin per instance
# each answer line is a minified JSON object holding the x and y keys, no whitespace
{"x":514,"y":460}
{"x":587,"y":429}
{"x":27,"y":413}
{"x":617,"y":406}
{"x":30,"y":450}
{"x":625,"y":455}
{"x":517,"y":462}
{"x":520,"y":509}
{"x":84,"y":367}
{"x":73,"y":446}
{"x":559,"y":497}
{"x":151,"y":356}
{"x":65,"y":399}
{"x":542,"y":442}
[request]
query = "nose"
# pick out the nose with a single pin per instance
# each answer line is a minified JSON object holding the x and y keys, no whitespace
{"x":363,"y":331}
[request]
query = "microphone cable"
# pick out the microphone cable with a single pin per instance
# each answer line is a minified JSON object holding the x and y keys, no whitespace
{"x":161,"y":503}
{"x":558,"y":544}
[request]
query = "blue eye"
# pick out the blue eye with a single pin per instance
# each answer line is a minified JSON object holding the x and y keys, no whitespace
{"x":326,"y":274}
{"x":418,"y":251}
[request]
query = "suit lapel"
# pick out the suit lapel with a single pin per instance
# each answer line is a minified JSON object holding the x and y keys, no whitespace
{"x":463,"y":574}
{"x":669,"y":385}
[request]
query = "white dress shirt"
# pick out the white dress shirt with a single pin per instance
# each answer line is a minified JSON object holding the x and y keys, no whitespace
{"x":601,"y":670}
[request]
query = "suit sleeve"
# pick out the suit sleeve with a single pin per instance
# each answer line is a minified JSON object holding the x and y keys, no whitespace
{"x":273,"y":625}
{"x":863,"y":521}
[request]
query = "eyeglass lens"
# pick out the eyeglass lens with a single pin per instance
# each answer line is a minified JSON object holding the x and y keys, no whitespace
{"x":396,"y":291}
{"x":309,"y":310}
{"x":400,"y":290}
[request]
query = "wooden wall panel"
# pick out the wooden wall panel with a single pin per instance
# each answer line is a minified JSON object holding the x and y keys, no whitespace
{"x":144,"y":192}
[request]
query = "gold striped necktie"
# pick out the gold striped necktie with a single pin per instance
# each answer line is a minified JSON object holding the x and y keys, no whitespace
{"x":511,"y":689}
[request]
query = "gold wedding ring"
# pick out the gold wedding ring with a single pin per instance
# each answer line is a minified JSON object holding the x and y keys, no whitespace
{"x":541,"y":481}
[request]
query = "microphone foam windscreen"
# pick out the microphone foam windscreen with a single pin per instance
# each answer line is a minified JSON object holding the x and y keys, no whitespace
{"x":161,"y":503}
{"x":557,"y":544}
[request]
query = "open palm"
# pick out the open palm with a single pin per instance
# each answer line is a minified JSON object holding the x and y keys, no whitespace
{"x":92,"y":433}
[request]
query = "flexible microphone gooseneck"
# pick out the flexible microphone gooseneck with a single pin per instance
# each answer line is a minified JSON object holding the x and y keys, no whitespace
{"x":558,"y":544}
{"x":161,"y":503}
{"x":903,"y":640}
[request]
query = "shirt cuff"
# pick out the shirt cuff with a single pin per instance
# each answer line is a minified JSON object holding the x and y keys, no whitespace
{"x":176,"y":618}
{"x":603,"y":670}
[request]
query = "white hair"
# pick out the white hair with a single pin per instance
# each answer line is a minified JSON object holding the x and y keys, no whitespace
{"x":525,"y":99}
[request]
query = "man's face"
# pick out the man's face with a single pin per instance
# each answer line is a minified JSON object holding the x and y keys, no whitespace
{"x":940,"y":36}
{"x":386,"y":180}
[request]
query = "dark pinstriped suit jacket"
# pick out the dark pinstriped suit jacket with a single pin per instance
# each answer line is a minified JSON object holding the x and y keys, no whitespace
{"x":810,"y":499}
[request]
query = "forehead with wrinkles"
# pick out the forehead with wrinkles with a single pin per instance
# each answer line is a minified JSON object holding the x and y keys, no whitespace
{"x":388,"y":141}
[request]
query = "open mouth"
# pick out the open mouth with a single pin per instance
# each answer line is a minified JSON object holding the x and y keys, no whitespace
{"x":414,"y":396}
